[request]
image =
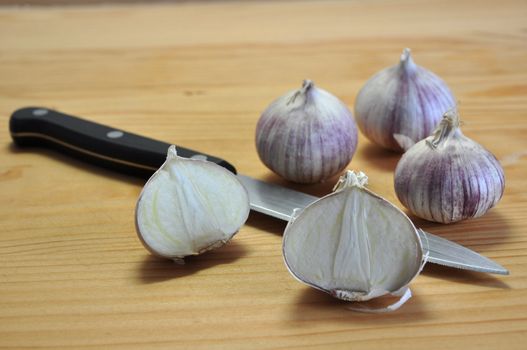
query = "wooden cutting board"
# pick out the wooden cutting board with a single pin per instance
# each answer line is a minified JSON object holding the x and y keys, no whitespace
{"x":73,"y":273}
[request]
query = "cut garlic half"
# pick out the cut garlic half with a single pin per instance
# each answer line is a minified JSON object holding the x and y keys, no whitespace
{"x":189,"y":206}
{"x":353,"y":244}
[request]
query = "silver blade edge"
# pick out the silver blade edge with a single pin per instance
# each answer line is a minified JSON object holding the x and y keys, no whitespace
{"x":279,"y":202}
{"x":448,"y":253}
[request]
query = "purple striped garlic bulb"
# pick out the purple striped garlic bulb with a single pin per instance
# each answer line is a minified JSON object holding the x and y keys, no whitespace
{"x":402,"y":104}
{"x":448,"y":177}
{"x":307,"y":135}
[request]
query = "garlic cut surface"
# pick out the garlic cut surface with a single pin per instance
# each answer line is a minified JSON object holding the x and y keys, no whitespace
{"x":402,"y":104}
{"x":353,"y":244}
{"x":307,"y":135}
{"x":189,"y":206}
{"x":448,"y":177}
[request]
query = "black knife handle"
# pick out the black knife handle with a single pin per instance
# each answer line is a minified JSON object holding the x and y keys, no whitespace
{"x":99,"y":144}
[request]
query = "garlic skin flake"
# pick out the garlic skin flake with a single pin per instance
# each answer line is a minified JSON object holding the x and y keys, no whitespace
{"x":402,"y":105}
{"x":189,"y":206}
{"x":307,"y":135}
{"x":448,"y":177}
{"x":353,"y":244}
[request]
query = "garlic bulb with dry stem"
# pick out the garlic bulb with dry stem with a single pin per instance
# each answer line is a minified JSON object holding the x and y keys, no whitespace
{"x":307,"y":135}
{"x":448,"y":177}
{"x":353,"y":244}
{"x":189,"y":206}
{"x":401,"y":105}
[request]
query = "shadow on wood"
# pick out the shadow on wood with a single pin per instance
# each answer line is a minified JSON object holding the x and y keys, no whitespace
{"x":266,"y":223}
{"x":312,"y":304}
{"x":479,"y":234}
{"x":378,"y":157}
{"x":56,"y":156}
{"x":155,"y":269}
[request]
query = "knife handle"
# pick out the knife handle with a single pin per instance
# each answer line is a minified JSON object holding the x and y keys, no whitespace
{"x":96,"y":143}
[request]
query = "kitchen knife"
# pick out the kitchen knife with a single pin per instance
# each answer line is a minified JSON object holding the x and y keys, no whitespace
{"x":141,"y":156}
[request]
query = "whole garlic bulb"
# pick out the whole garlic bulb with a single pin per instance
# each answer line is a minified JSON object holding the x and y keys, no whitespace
{"x":402,"y":104}
{"x":189,"y":206}
{"x":354,"y":245}
{"x":307,"y":135}
{"x":448,"y":177}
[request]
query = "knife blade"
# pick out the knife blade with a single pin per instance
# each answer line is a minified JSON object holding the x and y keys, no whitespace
{"x":280,"y":202}
{"x":140,"y":156}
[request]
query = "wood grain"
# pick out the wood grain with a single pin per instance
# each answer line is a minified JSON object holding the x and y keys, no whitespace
{"x":73,"y":273}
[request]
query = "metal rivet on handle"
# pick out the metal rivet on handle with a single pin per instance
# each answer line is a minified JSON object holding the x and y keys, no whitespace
{"x":40,"y":112}
{"x":114,"y":134}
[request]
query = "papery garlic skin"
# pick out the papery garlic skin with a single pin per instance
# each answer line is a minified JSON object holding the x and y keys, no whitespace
{"x":307,"y":135}
{"x":189,"y":206}
{"x":353,"y":244}
{"x":448,"y":177}
{"x":402,"y":105}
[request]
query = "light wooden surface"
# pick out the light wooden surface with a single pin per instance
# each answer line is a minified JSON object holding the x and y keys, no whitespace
{"x":73,"y":273}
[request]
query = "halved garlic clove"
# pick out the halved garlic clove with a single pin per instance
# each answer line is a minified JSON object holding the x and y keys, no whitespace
{"x":189,"y":206}
{"x":353,"y":244}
